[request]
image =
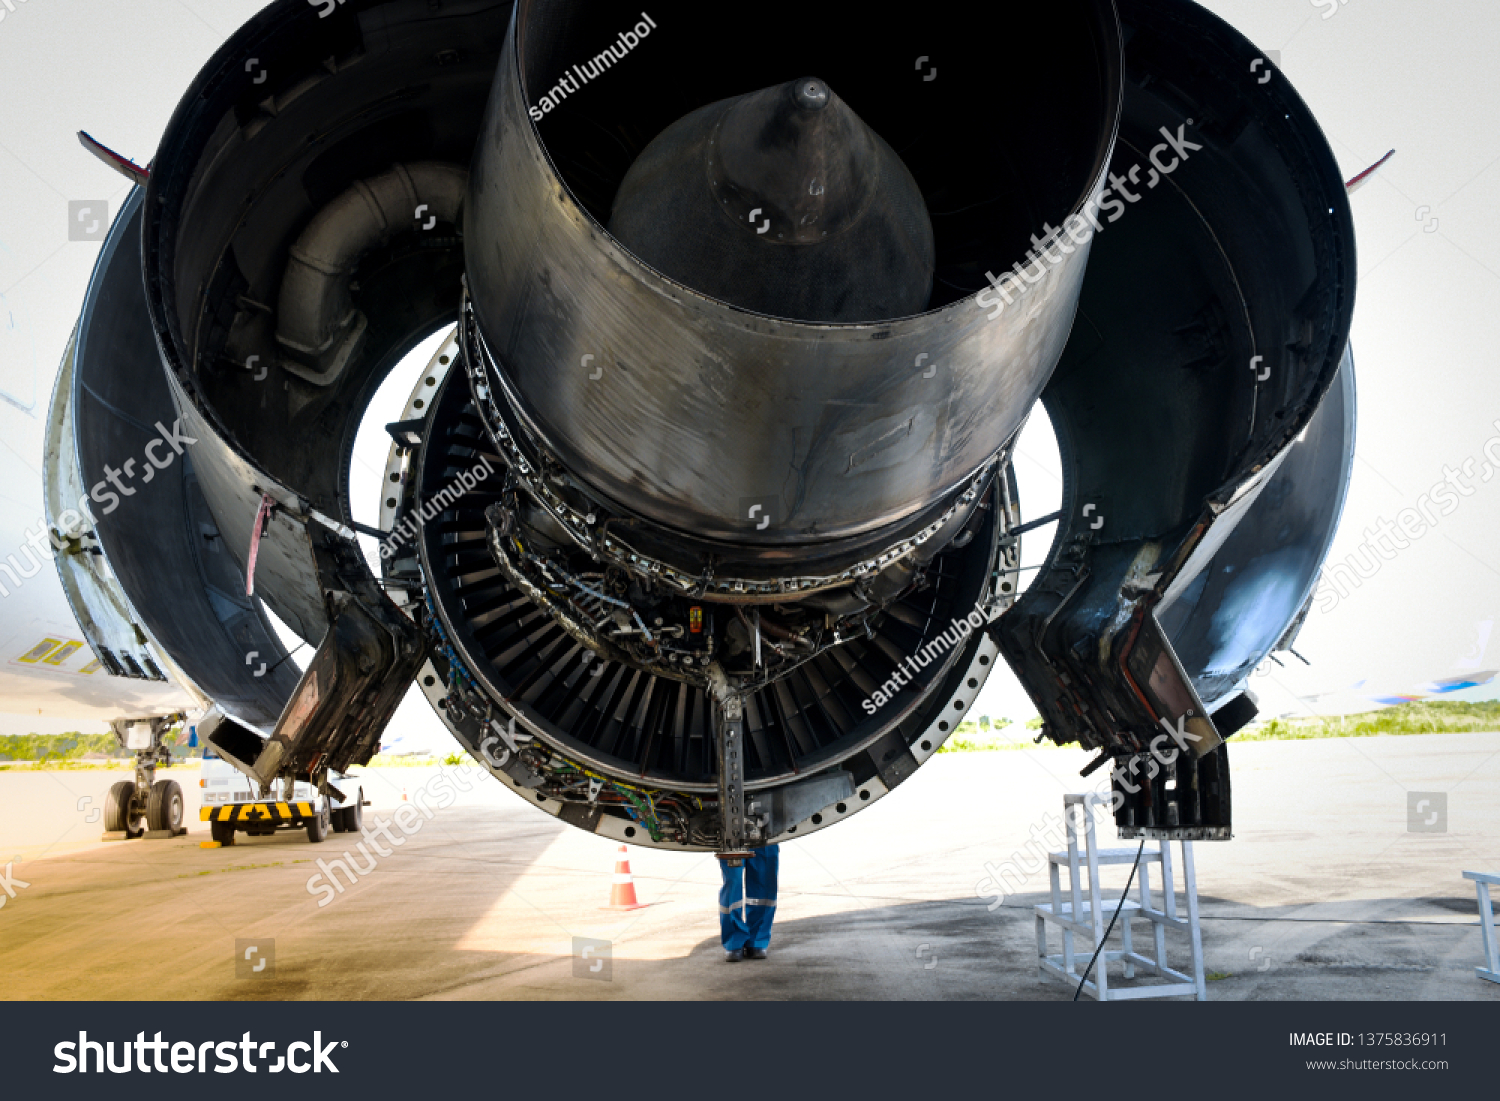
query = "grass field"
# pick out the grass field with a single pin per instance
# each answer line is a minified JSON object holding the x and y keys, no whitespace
{"x":66,"y":752}
{"x":1426,"y":717}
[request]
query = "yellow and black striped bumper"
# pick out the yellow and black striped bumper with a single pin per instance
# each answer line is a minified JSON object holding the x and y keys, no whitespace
{"x":257,"y":813}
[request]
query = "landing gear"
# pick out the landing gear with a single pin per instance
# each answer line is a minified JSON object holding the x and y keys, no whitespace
{"x":145,"y":806}
{"x":124,"y":813}
{"x":164,"y":807}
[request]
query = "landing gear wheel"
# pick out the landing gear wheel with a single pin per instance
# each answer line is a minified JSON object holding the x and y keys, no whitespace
{"x":317,"y":827}
{"x":222,"y":832}
{"x":164,"y":808}
{"x":122,"y":811}
{"x":354,"y":816}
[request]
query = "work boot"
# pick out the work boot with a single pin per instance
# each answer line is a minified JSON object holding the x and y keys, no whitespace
{"x":734,"y":955}
{"x":755,"y":953}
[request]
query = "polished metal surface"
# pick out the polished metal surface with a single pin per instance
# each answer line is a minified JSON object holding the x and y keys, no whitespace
{"x":1229,"y":607}
{"x":685,"y":410}
{"x":712,"y":581}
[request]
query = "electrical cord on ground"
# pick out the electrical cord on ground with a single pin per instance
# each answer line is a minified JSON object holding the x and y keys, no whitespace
{"x":1104,"y":939}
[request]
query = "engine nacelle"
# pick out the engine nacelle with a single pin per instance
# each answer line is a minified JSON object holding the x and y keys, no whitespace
{"x":701,"y":530}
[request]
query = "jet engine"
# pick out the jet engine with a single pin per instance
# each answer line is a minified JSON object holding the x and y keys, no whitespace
{"x":700,"y":529}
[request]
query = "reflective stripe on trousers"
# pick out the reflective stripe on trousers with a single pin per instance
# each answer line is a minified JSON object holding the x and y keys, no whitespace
{"x":747,"y":901}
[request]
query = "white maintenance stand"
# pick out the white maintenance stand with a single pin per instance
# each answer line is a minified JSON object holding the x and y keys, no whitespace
{"x":1483,"y":881}
{"x":1087,"y":919}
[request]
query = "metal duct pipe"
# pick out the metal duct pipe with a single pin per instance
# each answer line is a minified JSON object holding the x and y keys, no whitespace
{"x":317,"y":323}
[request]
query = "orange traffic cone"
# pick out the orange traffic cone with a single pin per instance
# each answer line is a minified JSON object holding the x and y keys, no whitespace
{"x":622,"y":891}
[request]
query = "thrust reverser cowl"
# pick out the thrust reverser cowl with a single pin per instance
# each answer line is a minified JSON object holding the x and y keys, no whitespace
{"x":1211,"y":324}
{"x":782,"y":202}
{"x":671,"y":405}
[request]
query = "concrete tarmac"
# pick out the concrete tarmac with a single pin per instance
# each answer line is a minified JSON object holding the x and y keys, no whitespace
{"x":1335,"y":887}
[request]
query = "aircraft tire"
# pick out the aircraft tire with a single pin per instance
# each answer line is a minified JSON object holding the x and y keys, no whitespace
{"x":164,"y":809}
{"x":121,"y":815}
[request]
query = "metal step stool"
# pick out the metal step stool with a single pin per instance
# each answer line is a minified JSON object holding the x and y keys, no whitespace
{"x":1088,"y":918}
{"x":1483,"y":881}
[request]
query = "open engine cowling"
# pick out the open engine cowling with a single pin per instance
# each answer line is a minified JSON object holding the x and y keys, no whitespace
{"x":700,"y":527}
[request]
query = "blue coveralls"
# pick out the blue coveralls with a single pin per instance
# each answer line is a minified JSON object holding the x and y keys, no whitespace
{"x":747,"y":901}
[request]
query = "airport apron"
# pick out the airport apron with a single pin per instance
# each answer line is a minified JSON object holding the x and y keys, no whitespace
{"x":747,"y":901}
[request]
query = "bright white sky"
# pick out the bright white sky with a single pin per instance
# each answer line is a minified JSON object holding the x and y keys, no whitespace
{"x":1419,"y":77}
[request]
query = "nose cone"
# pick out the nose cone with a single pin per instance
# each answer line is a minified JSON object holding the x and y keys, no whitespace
{"x":802,"y":157}
{"x":783,"y":202}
